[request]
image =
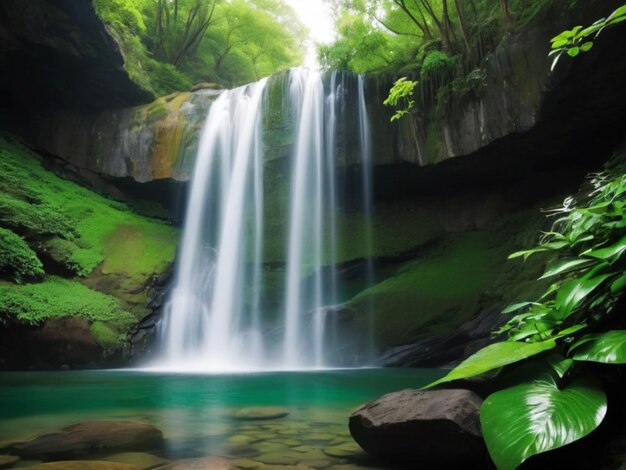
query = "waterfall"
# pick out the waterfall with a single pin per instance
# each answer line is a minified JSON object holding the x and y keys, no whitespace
{"x":217,"y":317}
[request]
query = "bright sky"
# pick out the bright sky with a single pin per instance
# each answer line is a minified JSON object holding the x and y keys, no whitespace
{"x":315,"y":14}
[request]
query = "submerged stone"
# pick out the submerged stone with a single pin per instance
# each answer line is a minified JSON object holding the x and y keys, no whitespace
{"x":87,"y":437}
{"x":342,"y":451}
{"x":278,"y":458}
{"x":8,"y":460}
{"x":260,"y":413}
{"x":84,"y":465}
{"x":143,"y":460}
{"x":204,"y":463}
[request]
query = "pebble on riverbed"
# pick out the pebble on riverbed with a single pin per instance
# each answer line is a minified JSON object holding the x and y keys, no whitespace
{"x":260,"y":413}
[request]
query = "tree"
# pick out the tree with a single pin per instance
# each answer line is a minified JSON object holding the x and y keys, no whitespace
{"x":251,"y":39}
{"x":178,"y":26}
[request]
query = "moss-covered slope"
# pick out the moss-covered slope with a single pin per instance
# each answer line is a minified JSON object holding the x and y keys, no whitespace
{"x":66,"y":251}
{"x":450,"y":282}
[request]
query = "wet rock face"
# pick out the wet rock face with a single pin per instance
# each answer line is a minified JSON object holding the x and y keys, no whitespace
{"x":58,"y":53}
{"x":57,"y":343}
{"x":513,"y":92}
{"x":439,"y":427}
{"x":152,"y":142}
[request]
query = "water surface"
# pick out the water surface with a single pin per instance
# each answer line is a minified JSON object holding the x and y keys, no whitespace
{"x":195,"y":411}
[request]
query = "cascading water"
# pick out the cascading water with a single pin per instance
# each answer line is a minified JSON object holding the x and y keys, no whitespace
{"x":217,"y":317}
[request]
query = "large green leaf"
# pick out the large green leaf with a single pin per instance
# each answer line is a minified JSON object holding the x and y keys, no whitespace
{"x":571,"y":293}
{"x":495,"y":356}
{"x":537,"y":416}
{"x":566,"y":266}
{"x":608,"y":347}
{"x":615,"y":250}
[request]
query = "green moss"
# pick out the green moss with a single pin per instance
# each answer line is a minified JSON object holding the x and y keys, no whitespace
{"x":16,"y":257}
{"x":58,"y":298}
{"x":157,"y":110}
{"x":453,"y":281}
{"x":75,"y":224}
{"x":106,"y":336}
{"x":428,"y":295}
{"x":138,"y":249}
{"x":41,"y":219}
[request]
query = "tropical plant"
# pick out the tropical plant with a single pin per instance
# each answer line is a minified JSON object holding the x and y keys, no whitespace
{"x":400,"y":97}
{"x":580,"y":39}
{"x":549,"y":396}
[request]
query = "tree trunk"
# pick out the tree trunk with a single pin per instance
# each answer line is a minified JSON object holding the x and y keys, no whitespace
{"x":462,"y":26}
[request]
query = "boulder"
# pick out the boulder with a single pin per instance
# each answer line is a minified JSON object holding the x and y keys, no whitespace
{"x":439,"y":427}
{"x":84,"y":438}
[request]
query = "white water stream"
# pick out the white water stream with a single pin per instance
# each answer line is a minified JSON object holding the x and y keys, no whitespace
{"x":214,"y":319}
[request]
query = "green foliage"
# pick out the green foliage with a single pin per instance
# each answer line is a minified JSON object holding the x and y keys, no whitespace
{"x":121,"y":14}
{"x":495,"y":356}
{"x":538,"y":416}
{"x":400,"y":97}
{"x":580,"y":39}
{"x":16,"y":257}
{"x":607,"y":348}
{"x":57,"y":298}
{"x":168,"y":45}
{"x":165,"y":78}
{"x":360,"y":48}
{"x":587,"y":246}
{"x":437,"y":63}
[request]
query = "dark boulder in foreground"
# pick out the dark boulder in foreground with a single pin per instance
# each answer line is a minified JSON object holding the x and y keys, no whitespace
{"x":439,"y":427}
{"x":92,"y":436}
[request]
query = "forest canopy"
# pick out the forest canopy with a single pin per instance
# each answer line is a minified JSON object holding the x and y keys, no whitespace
{"x":171,"y":44}
{"x":420,"y":35}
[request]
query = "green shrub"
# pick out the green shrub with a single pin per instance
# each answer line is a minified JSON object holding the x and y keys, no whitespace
{"x":34,"y":218}
{"x":438,"y":64}
{"x":553,"y":340}
{"x":121,"y":14}
{"x":57,"y":298}
{"x":165,"y":78}
{"x":16,"y":257}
